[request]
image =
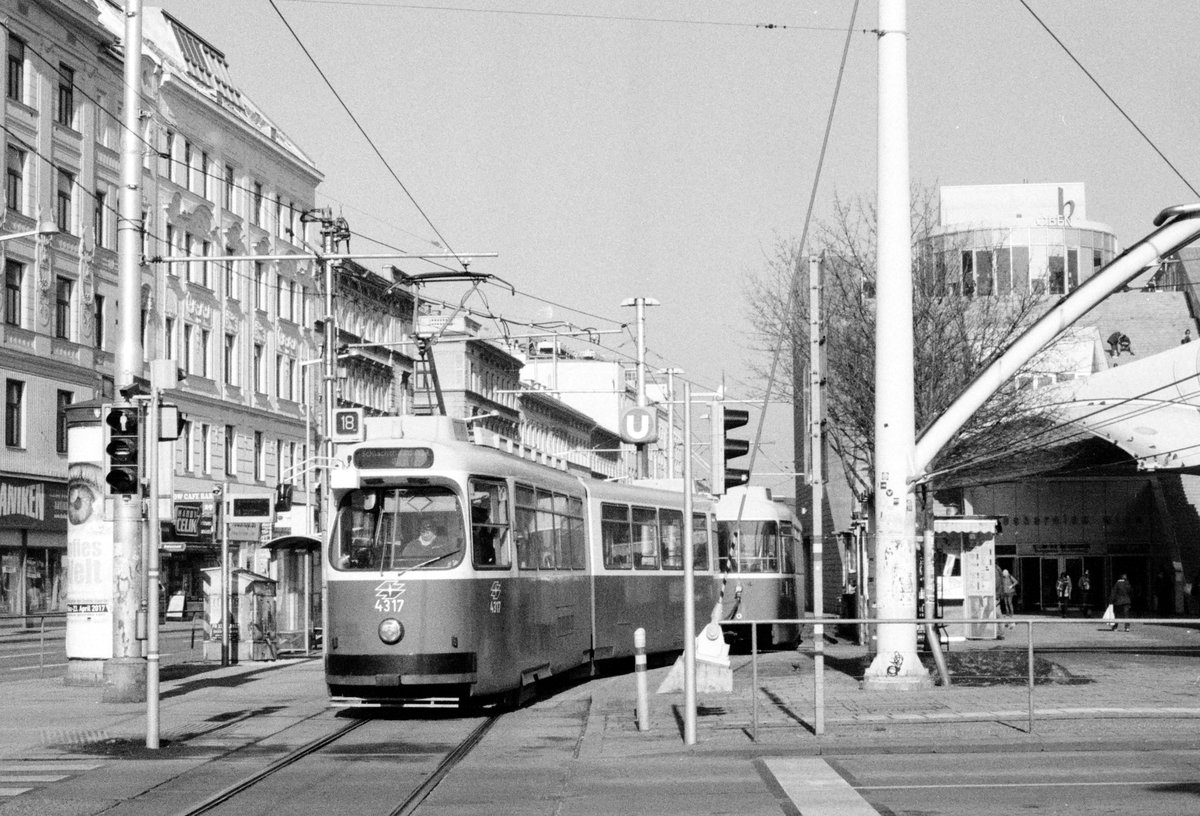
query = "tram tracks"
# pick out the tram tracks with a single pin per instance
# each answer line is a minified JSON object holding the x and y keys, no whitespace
{"x":230,"y":799}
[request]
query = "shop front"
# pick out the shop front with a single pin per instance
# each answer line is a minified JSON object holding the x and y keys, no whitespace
{"x":33,"y":543}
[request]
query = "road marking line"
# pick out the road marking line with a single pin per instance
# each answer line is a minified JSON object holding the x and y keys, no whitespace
{"x":816,"y":789}
{"x":14,"y":791}
{"x":17,"y":779}
{"x":1047,"y":784}
{"x":42,"y":767}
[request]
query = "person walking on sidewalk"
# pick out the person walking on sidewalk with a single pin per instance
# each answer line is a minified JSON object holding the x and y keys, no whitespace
{"x":1121,"y":599}
{"x":1085,"y":593}
{"x":1006,"y":587}
{"x":1064,"y":593}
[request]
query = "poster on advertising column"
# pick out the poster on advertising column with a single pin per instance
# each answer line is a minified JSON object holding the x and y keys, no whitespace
{"x":89,"y":581}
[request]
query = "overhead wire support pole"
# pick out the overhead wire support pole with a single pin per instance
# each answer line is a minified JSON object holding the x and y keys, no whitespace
{"x":896,"y":664}
{"x":125,"y":671}
{"x":816,"y":369}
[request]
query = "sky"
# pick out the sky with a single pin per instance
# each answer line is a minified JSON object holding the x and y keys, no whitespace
{"x":611,"y":150}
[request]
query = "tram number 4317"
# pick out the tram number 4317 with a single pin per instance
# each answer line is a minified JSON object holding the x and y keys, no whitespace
{"x":494,"y":593}
{"x":389,"y":604}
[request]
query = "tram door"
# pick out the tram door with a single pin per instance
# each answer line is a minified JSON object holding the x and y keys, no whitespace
{"x":1041,"y":577}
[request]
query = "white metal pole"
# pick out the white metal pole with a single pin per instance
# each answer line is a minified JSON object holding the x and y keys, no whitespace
{"x":153,"y":534}
{"x":226,"y":573}
{"x":896,"y":663}
{"x":689,"y":580}
{"x":125,"y":675}
{"x":818,"y":528}
{"x":643,"y":449}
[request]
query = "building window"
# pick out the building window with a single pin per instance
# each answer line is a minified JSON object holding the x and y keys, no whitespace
{"x":256,"y":205}
{"x":98,"y":336}
{"x":14,"y":413}
{"x":205,"y":271}
{"x":260,"y":364}
{"x":205,"y":351}
{"x":189,"y":446}
{"x":64,"y":113}
{"x":62,"y":308}
{"x":16,"y":68}
{"x":1058,"y":276}
{"x":205,"y":169}
{"x":230,"y":451}
{"x":65,"y":398}
{"x":169,"y":338}
{"x":189,"y":180}
{"x":188,"y":336}
{"x":231,"y":287}
{"x":260,"y":456}
{"x":100,"y":219}
{"x":14,"y":179}
{"x":62,"y":208}
{"x":227,"y":192}
{"x":230,"y":359}
{"x":205,"y":448}
{"x":260,"y":286}
{"x":167,"y":168}
{"x":14,"y":273}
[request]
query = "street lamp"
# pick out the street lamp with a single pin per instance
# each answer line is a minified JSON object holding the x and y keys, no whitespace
{"x":44,"y":228}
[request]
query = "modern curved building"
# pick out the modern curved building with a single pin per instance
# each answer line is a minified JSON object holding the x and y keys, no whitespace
{"x":1004,"y":238}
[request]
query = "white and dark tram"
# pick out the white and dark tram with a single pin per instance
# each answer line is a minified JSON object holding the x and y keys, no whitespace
{"x":761,"y":564}
{"x":459,"y":572}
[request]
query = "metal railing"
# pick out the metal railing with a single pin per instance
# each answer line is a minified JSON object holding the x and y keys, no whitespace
{"x":930,"y":626}
{"x":24,"y":627}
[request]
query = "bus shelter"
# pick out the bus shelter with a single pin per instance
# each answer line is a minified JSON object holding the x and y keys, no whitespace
{"x":298,"y":593}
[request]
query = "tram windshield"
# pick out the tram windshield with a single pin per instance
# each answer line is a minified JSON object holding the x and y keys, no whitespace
{"x":748,"y":546}
{"x":399,"y":528}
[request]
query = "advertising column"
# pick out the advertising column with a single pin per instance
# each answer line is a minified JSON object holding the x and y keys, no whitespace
{"x":89,"y":583}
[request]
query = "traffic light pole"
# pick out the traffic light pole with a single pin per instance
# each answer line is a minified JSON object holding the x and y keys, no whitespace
{"x":125,"y":671}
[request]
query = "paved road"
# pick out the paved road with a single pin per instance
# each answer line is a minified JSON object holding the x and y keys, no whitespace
{"x":1164,"y":783}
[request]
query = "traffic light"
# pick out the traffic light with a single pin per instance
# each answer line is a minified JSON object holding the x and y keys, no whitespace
{"x":284,"y":492}
{"x":724,"y":448}
{"x":122,"y":432}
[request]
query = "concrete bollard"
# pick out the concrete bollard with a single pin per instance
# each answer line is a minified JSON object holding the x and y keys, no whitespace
{"x":639,"y":671}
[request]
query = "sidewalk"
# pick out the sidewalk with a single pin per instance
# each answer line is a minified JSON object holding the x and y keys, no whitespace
{"x":1145,"y":695}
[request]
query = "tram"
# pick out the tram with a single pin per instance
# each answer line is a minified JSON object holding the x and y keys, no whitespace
{"x":458,"y":572}
{"x":761,"y":566}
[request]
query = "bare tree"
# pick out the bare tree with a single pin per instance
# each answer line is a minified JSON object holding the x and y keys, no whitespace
{"x":961,"y":319}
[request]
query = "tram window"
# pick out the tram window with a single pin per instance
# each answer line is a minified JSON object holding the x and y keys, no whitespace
{"x":645,"y":538}
{"x":526,"y":528}
{"x":400,"y":528}
{"x":614,"y":535}
{"x":670,"y":533}
{"x":547,"y":535}
{"x":700,"y":542}
{"x":787,"y":546}
{"x":489,"y":524}
{"x":577,"y":545}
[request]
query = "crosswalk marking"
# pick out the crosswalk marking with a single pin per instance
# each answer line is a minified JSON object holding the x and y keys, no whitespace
{"x":12,"y":779}
{"x":816,"y":789}
{"x":14,"y":791}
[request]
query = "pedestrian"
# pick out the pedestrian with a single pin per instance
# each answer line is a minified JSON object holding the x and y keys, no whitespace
{"x":1085,"y":593}
{"x":1007,"y":586}
{"x":1121,"y":599}
{"x":1187,"y":337}
{"x":1063,"y":588}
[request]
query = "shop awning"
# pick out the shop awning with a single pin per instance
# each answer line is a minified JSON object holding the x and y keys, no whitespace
{"x":293,"y":542}
{"x":964,"y":524}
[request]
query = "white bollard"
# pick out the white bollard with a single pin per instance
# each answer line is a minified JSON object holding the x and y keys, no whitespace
{"x":639,"y":671}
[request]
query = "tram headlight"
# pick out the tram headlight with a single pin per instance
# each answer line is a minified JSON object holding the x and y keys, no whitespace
{"x":391,"y":631}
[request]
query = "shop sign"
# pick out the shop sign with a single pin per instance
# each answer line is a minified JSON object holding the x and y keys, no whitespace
{"x":33,"y":504}
{"x":187,"y":519}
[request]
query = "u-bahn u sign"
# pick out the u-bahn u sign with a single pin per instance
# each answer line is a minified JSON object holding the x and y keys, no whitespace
{"x":639,"y":425}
